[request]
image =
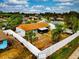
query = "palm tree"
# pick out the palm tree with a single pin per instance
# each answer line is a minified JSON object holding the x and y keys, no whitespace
{"x":74,"y":23}
{"x":12,"y":22}
{"x":30,"y":35}
{"x":56,"y":32}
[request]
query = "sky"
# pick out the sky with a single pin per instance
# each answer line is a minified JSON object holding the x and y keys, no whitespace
{"x":39,"y":6}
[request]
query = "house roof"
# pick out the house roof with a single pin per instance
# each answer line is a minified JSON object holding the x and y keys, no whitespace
{"x":33,"y":26}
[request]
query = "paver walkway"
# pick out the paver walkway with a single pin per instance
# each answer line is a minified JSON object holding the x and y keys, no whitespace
{"x":75,"y":54}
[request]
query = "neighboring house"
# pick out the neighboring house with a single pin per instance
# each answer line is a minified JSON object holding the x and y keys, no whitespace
{"x":21,"y":29}
{"x":68,"y":31}
{"x":60,"y":19}
{"x":44,"y":19}
{"x":57,"y":22}
{"x":52,"y":26}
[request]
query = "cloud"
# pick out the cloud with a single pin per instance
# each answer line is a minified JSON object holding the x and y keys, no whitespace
{"x":77,"y":1}
{"x":3,"y":5}
{"x":42,"y":0}
{"x":37,"y":7}
{"x":60,"y":9}
{"x":28,"y":7}
{"x":57,"y":8}
{"x":34,"y":11}
{"x":48,"y":8}
{"x":41,"y":8}
{"x":62,"y":0}
{"x":14,"y":5}
{"x":17,"y":1}
{"x":45,"y":0}
{"x":65,"y":3}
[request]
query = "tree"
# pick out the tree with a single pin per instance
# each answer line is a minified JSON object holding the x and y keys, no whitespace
{"x":56,"y":32}
{"x":13,"y":21}
{"x":74,"y":23}
{"x":30,"y":35}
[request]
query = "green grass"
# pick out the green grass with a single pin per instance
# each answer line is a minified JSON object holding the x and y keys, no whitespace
{"x":66,"y":51}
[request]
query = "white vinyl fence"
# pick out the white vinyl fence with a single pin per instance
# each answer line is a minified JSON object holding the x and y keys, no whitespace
{"x":27,"y":44}
{"x":48,"y":51}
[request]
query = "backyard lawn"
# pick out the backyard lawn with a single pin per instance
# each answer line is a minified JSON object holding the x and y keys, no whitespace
{"x":15,"y":50}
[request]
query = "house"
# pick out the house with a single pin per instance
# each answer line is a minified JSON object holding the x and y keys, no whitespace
{"x":68,"y":31}
{"x":52,"y":26}
{"x":60,"y":19}
{"x":40,"y":26}
{"x":58,"y":22}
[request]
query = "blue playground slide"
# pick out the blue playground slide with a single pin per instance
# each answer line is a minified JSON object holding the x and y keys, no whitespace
{"x":4,"y":44}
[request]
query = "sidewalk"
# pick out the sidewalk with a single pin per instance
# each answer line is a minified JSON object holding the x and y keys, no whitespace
{"x":75,"y":54}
